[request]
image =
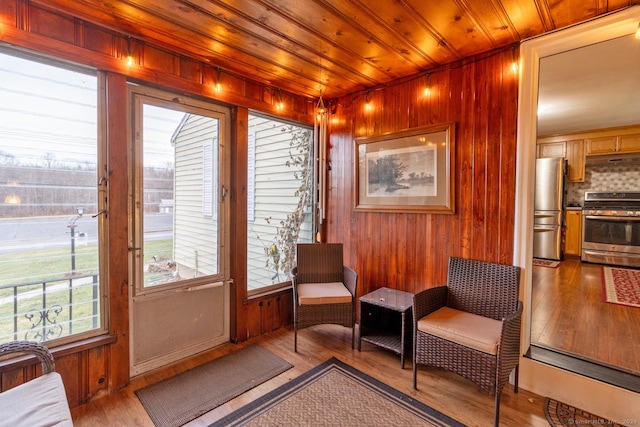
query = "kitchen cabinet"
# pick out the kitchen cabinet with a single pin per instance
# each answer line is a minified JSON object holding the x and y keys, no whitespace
{"x":616,"y":144}
{"x":603,"y":145}
{"x":551,"y":149}
{"x":629,"y":143}
{"x":573,"y":232}
{"x":575,"y":160}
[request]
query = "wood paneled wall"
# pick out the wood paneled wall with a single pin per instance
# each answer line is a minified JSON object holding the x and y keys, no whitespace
{"x":404,"y":251}
{"x":409,"y":251}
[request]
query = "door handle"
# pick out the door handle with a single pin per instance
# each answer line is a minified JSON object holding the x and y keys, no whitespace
{"x":613,"y":218}
{"x":539,"y":229}
{"x":202,"y":287}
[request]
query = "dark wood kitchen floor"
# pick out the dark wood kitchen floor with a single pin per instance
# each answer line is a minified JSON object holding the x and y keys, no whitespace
{"x":569,"y":314}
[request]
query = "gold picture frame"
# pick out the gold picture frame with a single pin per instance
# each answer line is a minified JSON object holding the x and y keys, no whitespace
{"x":407,"y":171}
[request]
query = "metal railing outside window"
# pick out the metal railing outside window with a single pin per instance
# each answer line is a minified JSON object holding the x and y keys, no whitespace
{"x":46,"y":310}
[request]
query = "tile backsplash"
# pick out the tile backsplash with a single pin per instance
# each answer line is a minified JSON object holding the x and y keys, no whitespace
{"x":621,"y":177}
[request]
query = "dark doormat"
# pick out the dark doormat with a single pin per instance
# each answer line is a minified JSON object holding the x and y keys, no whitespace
{"x":562,"y":415}
{"x":336,"y":394}
{"x":177,"y":400}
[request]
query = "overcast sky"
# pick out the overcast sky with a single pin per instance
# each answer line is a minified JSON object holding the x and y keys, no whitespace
{"x":46,"y":109}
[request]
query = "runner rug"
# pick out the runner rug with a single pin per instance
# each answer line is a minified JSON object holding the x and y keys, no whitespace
{"x":621,"y":286}
{"x":545,"y":263}
{"x":562,"y":415}
{"x":335,"y":394}
{"x":177,"y":400}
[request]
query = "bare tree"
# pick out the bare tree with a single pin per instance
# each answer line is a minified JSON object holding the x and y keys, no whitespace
{"x":49,"y":159}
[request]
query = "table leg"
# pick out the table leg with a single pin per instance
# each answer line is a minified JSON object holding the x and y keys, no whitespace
{"x":402,"y":344}
{"x":360,"y":328}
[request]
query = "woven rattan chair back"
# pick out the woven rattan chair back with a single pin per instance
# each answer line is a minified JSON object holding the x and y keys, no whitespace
{"x":319,"y":263}
{"x":31,"y":347}
{"x":483,"y":288}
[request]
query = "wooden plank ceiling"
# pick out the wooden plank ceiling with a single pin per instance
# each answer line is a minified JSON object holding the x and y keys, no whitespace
{"x":333,"y":47}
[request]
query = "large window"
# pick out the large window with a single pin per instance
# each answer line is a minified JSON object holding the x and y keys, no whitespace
{"x":49,"y":245}
{"x":280,"y":191}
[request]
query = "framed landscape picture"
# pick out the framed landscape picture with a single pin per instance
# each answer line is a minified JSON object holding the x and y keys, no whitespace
{"x":407,"y":171}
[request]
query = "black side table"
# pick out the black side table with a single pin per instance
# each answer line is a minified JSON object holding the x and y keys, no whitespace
{"x":383,"y":320}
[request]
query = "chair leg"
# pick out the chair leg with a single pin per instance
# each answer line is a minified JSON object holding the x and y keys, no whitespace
{"x":415,"y":358}
{"x":515,"y":379}
{"x":353,"y":337}
{"x":295,"y":338}
{"x":496,"y":417}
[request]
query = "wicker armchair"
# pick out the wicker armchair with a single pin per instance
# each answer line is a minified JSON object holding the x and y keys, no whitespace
{"x":41,"y":401}
{"x":324,"y":289}
{"x":471,"y":326}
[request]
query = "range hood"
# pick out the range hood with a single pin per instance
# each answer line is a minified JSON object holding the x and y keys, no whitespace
{"x":614,"y":159}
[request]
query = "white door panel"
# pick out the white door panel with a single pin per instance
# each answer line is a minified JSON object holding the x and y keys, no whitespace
{"x":168,"y":337}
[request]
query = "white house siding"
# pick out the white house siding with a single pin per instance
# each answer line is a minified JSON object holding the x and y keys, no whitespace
{"x":274,"y":197}
{"x":195,"y":233}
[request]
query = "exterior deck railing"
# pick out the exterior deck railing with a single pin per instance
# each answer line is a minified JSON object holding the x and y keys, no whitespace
{"x":49,"y":309}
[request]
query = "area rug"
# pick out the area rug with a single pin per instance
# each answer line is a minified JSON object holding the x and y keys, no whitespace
{"x":335,"y":394}
{"x":621,"y":286}
{"x":537,"y":262}
{"x":177,"y":400}
{"x":562,"y":415}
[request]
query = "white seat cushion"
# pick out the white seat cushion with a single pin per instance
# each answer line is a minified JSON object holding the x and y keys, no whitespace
{"x":467,"y":329}
{"x":323,"y":293}
{"x":39,"y":402}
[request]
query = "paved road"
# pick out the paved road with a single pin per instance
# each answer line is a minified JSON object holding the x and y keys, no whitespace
{"x":23,"y":234}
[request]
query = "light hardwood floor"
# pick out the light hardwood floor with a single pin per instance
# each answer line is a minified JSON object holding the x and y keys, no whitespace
{"x":441,"y":390}
{"x":569,"y":314}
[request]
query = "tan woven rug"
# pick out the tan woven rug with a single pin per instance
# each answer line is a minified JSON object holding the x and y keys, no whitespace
{"x":335,"y":394}
{"x":562,"y":415}
{"x":621,"y":286}
{"x":177,"y":400}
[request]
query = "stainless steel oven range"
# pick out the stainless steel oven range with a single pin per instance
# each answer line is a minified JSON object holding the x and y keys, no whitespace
{"x":611,"y":228}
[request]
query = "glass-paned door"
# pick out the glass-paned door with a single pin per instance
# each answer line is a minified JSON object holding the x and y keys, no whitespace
{"x":180,"y":295}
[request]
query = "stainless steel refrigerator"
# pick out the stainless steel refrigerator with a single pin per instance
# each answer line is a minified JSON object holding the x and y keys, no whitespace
{"x":548,"y":208}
